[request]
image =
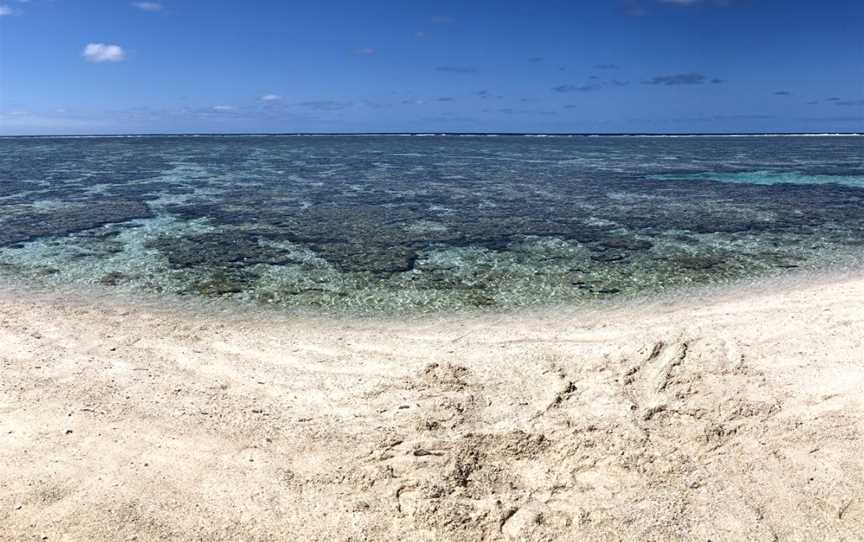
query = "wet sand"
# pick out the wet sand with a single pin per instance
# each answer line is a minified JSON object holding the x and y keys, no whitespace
{"x":727,"y":415}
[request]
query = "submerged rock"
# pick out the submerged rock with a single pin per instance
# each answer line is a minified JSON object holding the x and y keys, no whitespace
{"x":69,"y":219}
{"x":113,"y":278}
{"x":220,"y":249}
{"x":219,"y":284}
{"x":699,"y":263}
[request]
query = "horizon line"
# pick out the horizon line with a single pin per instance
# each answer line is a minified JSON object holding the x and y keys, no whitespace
{"x":434,"y":133}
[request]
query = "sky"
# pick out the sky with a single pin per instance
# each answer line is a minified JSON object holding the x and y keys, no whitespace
{"x":659,"y":66}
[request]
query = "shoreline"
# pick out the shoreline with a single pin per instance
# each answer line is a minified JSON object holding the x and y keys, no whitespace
{"x":236,"y":309}
{"x":726,"y":413}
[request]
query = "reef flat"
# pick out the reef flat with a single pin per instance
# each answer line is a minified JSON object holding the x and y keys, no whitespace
{"x":385,"y":224}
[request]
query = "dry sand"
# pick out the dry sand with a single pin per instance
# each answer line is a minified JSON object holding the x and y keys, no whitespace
{"x":724,"y":416}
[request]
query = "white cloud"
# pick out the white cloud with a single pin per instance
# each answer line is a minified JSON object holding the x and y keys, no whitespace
{"x":364,"y":51}
{"x":148,"y":6}
{"x":6,"y":10}
{"x":270,"y":98}
{"x":223,"y":108}
{"x":102,"y":52}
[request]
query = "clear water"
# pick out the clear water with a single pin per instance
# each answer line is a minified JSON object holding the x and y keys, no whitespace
{"x":388,"y":223}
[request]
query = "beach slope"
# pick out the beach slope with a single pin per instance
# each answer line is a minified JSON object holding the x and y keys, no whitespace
{"x":734,"y":415}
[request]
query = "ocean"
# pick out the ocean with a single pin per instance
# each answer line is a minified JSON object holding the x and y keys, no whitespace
{"x":404,"y":223}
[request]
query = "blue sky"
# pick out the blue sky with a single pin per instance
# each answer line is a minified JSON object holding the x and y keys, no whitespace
{"x":100,"y":66}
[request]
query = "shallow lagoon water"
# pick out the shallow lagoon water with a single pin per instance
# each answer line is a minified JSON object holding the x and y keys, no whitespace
{"x":391,"y":224}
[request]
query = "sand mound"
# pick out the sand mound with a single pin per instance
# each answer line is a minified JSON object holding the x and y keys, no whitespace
{"x":734,"y":416}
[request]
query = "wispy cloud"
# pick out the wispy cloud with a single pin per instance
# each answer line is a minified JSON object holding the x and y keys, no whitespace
{"x":456,"y":69}
{"x":148,"y":6}
{"x":849,"y":102}
{"x":23,"y":122}
{"x":376,"y":105}
{"x":102,"y":52}
{"x":511,"y":111}
{"x":834,"y":119}
{"x":441,"y":19}
{"x":270,"y":98}
{"x":594,"y":85}
{"x":726,"y":118}
{"x":325,"y":105}
{"x":223,"y":108}
{"x":6,"y":10}
{"x":445,"y":99}
{"x":677,"y":79}
{"x":782,"y":93}
{"x":577,"y":88}
{"x":703,"y":119}
{"x":641,"y":8}
{"x":364,"y":51}
{"x":535,"y":59}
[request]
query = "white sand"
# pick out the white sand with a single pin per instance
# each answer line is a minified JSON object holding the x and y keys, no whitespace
{"x":730,"y":416}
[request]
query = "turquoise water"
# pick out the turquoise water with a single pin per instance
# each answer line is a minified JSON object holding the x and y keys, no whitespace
{"x":417,"y":224}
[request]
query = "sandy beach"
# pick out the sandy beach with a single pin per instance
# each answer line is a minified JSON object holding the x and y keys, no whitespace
{"x":724,"y":415}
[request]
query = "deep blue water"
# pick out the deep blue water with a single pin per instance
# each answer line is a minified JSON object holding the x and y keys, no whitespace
{"x":384,"y":223}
